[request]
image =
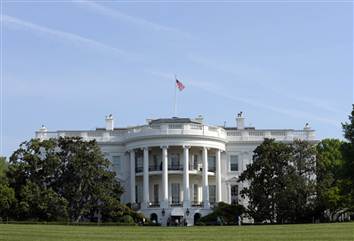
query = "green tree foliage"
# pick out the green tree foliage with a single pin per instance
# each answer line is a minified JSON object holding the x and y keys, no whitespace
{"x":281,"y":182}
{"x":331,"y":196}
{"x":64,"y":178}
{"x":38,"y":203}
{"x":3,"y":166}
{"x":224,"y":214}
{"x":95,"y":186}
{"x":7,"y":200}
{"x":7,"y":194}
{"x":348,"y":153}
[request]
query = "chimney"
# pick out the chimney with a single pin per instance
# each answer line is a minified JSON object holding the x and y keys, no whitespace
{"x":42,"y":133}
{"x":109,"y":123}
{"x":240,"y":121}
{"x":307,"y":127}
{"x":199,"y":119}
{"x":43,"y":129}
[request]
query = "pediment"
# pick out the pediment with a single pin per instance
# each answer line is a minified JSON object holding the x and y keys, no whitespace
{"x":232,"y":180}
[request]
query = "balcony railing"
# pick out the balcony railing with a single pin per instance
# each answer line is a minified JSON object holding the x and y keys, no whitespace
{"x":182,"y":129}
{"x":260,"y":135}
{"x":175,"y":167}
{"x":155,"y":168}
{"x":154,"y":204}
{"x":176,"y":204}
{"x":139,"y":131}
{"x":211,"y":169}
{"x":194,"y":168}
{"x":196,"y":204}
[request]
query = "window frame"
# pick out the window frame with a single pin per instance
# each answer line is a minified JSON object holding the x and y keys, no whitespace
{"x":237,"y":162}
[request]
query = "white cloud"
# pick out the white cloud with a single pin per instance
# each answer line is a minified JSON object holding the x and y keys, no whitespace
{"x":74,"y":38}
{"x":113,"y":13}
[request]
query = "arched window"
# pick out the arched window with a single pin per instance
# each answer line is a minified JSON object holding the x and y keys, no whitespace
{"x":153,"y":218}
{"x":197,"y":217}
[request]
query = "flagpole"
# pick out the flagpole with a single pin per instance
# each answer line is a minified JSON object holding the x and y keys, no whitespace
{"x":175,"y":99}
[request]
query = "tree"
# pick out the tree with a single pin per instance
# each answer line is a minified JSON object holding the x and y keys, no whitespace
{"x":348,"y":127}
{"x":38,"y":203}
{"x":281,"y":182}
{"x":223,"y":213}
{"x":7,"y":194}
{"x":59,"y":178}
{"x":331,"y":198}
{"x":7,"y":200}
{"x":266,"y":178}
{"x":302,"y":181}
{"x":3,"y":167}
{"x":348,"y":153}
{"x":94,"y":186}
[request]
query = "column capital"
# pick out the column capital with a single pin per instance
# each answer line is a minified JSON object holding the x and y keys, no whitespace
{"x":186,"y":147}
{"x":164,"y":147}
{"x":206,"y":148}
{"x":145,"y":148}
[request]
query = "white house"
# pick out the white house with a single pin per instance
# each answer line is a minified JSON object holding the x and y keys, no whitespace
{"x":176,"y":169}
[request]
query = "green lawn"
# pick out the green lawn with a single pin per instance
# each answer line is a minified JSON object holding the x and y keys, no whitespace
{"x":23,"y":232}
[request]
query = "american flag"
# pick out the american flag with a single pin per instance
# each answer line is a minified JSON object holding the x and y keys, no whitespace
{"x":179,"y":85}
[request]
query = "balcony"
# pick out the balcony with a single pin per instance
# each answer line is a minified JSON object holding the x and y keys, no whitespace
{"x":196,"y":204}
{"x":175,"y":167}
{"x":279,"y":135}
{"x":154,"y":205}
{"x":155,"y":168}
{"x":176,"y":204}
{"x":175,"y":129}
{"x":195,"y":167}
{"x":211,"y":169}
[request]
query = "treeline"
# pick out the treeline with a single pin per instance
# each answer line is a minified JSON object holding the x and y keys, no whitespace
{"x":302,"y":182}
{"x":63,"y":179}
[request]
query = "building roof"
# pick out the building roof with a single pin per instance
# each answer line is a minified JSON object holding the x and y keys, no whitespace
{"x":235,"y":128}
{"x":173,"y":120}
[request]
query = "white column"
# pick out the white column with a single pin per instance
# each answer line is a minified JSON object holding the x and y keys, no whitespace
{"x":146,"y":177}
{"x":164,"y":203}
{"x":206,"y":203}
{"x":132,"y":177}
{"x":218,"y":176}
{"x":186,"y":189}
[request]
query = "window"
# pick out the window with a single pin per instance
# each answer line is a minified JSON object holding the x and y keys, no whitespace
{"x":195,"y":193}
{"x":175,"y":193}
{"x":195,"y":162}
{"x":233,"y":163}
{"x":117,"y":165}
{"x":234,"y":194}
{"x":211,"y":163}
{"x":139,"y":163}
{"x":139,"y":192}
{"x":156,"y":193}
{"x":212,"y":194}
{"x":174,"y":162}
{"x":156,"y":164}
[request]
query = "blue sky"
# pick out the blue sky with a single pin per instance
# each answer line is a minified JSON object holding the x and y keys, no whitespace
{"x":67,"y":64}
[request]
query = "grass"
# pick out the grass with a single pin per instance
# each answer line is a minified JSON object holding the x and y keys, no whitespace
{"x":37,"y":232}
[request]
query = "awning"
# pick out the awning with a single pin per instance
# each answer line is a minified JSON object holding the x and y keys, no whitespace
{"x":177,"y":212}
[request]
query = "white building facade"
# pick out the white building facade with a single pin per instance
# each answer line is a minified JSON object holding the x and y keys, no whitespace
{"x":175,"y":170}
